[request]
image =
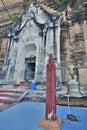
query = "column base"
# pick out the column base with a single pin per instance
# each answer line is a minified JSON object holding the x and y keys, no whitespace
{"x":50,"y":125}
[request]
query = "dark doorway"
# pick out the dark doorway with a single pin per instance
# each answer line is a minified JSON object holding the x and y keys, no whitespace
{"x":29,"y":69}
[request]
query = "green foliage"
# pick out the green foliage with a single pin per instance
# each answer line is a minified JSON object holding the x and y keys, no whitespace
{"x":15,"y":18}
{"x":76,"y":6}
{"x":61,"y":0}
{"x":26,"y":1}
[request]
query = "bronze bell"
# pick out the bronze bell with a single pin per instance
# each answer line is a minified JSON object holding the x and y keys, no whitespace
{"x":74,"y":89}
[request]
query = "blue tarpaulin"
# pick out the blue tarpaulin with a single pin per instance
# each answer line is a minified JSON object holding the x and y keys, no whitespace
{"x":27,"y":116}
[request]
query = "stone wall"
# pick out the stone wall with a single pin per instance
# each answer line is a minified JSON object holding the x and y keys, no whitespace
{"x":83,"y":76}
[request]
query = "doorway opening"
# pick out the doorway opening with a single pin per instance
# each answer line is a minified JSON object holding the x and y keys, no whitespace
{"x":30,"y":68}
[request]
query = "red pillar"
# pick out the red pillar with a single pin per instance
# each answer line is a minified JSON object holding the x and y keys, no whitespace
{"x":51,"y":88}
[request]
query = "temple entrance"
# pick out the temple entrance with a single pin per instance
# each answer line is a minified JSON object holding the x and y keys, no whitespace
{"x":30,"y":68}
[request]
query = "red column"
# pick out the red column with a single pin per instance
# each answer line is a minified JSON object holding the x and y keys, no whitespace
{"x":51,"y":88}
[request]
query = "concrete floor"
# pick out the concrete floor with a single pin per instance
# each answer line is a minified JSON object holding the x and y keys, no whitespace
{"x":27,"y":115}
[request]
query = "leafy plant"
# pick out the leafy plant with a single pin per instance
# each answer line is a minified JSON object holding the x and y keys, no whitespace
{"x":76,"y":6}
{"x":26,"y":1}
{"x":15,"y":18}
{"x":61,"y":0}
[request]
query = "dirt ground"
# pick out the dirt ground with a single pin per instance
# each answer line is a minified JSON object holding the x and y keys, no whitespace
{"x":62,"y":101}
{"x":78,"y":102}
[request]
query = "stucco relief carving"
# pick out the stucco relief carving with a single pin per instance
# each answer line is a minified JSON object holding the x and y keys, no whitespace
{"x":32,"y":46}
{"x":30,"y":38}
{"x":34,"y":39}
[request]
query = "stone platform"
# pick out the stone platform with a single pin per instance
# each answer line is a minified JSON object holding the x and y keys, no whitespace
{"x":50,"y":125}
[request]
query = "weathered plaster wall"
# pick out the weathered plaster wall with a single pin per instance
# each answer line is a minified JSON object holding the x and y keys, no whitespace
{"x":39,"y":36}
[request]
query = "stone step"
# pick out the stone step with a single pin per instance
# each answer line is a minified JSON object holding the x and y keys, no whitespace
{"x":7,"y":100}
{"x":12,"y":95}
{"x":12,"y":90}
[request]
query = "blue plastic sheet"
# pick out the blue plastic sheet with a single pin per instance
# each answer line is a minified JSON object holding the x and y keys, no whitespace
{"x":27,"y":115}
